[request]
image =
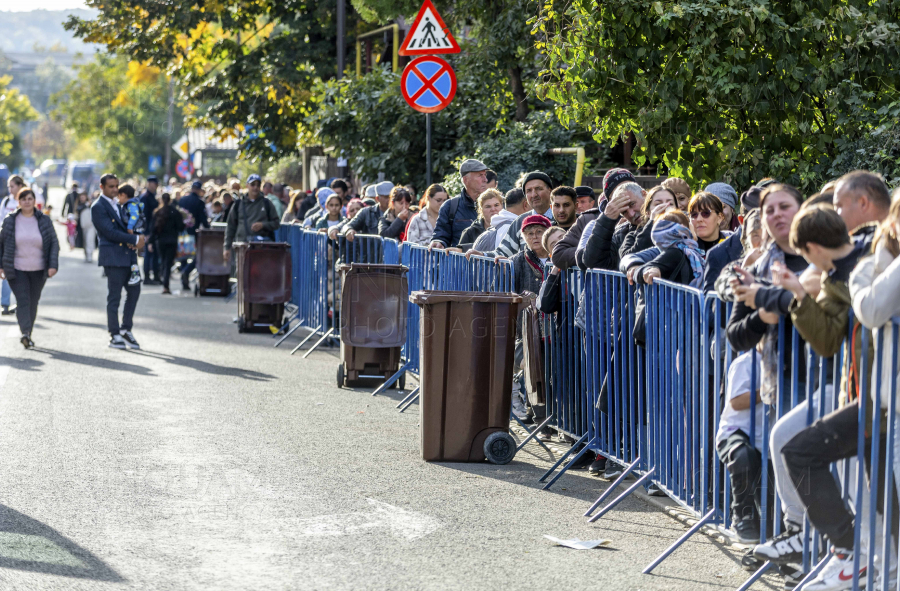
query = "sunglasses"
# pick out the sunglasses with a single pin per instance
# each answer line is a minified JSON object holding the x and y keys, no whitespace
{"x":702,"y":214}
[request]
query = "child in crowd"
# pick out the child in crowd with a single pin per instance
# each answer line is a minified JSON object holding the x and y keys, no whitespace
{"x":71,"y":229}
{"x":680,"y":258}
{"x":134,"y":222}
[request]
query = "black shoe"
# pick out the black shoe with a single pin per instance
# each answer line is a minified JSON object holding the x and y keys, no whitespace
{"x":785,"y":548}
{"x":747,"y":531}
{"x":792,"y":576}
{"x":545,"y":434}
{"x":117,"y":342}
{"x":598,"y":466}
{"x":27,"y":342}
{"x":613,"y":471}
{"x":582,"y":463}
{"x":130,"y":340}
{"x":751,"y":563}
{"x":7,"y":311}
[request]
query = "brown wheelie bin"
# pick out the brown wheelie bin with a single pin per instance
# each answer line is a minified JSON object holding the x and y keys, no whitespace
{"x":373,"y":321}
{"x":467,"y":344}
{"x":263,"y":284}
{"x":213,"y":272}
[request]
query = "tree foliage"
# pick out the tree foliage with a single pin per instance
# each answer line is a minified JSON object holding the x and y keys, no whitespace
{"x":245,"y":67}
{"x":122,"y":106}
{"x":724,"y":89}
{"x":368,"y":119}
{"x":14,"y":110}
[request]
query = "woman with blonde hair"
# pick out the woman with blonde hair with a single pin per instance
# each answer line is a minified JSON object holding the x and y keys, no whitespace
{"x":292,"y":213}
{"x":488,"y":204}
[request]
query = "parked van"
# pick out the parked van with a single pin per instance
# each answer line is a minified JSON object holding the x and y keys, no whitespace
{"x":86,"y":174}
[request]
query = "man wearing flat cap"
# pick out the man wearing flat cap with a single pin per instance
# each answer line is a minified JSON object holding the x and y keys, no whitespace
{"x":366,"y":221}
{"x":459,"y":213}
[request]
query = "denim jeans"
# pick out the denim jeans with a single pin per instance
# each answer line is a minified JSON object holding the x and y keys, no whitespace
{"x":5,"y":293}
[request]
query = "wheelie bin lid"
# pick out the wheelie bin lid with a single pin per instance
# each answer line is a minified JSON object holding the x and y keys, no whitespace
{"x":423,"y":298}
{"x":368,"y":267}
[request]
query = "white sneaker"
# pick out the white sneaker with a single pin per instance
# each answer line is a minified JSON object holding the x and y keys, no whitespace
{"x":117,"y":342}
{"x":129,"y":339}
{"x":837,"y":574}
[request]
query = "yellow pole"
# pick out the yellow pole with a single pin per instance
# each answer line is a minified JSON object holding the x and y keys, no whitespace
{"x":579,"y":160}
{"x":395,"y":61}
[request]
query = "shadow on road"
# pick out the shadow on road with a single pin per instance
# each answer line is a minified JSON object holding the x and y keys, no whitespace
{"x":95,"y":361}
{"x":211,"y":368}
{"x":29,"y":545}
{"x":23,"y":364}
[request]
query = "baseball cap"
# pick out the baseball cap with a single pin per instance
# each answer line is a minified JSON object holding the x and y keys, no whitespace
{"x":535,"y":220}
{"x":253,"y":178}
{"x":196,"y":185}
{"x":585,"y":191}
{"x":471,"y":165}
{"x":384,"y":188}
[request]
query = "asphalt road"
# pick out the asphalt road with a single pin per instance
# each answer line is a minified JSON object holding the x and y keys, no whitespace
{"x":210,"y":460}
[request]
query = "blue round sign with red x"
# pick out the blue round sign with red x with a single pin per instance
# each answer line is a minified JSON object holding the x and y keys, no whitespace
{"x":428,"y":84}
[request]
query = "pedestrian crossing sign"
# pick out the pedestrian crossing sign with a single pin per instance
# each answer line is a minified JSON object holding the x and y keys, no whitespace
{"x":428,"y":34}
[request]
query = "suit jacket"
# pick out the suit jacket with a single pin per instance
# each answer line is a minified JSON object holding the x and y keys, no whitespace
{"x":113,"y":235}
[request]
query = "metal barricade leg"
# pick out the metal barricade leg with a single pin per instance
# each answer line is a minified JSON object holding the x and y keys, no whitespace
{"x":309,"y":336}
{"x":390,"y":381}
{"x":319,"y":342}
{"x":563,"y":459}
{"x":411,"y":400}
{"x":414,"y":392}
{"x":288,"y":333}
{"x":696,"y":527}
{"x":613,"y":486}
{"x":533,"y":434}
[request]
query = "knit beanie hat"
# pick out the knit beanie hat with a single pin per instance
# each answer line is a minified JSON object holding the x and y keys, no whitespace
{"x":726,"y":194}
{"x":537,"y":175}
{"x":613,"y":178}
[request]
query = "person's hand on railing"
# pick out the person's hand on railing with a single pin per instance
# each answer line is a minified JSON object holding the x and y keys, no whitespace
{"x":498,"y":260}
{"x":630,"y":274}
{"x":436,"y":244}
{"x":472,"y":252}
{"x":453,"y":249}
{"x":332,"y":232}
{"x":322,"y":230}
{"x":226,"y":256}
{"x":650,"y":274}
{"x":350,"y":235}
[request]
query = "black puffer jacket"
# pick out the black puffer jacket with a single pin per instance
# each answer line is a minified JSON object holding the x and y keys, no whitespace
{"x":8,"y":243}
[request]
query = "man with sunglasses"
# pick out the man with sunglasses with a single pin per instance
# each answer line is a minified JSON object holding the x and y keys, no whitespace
{"x":253,"y":217}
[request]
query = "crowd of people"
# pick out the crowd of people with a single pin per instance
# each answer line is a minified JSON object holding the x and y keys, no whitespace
{"x":812,"y":262}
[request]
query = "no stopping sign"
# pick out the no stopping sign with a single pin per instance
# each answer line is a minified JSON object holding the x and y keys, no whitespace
{"x":428,"y":84}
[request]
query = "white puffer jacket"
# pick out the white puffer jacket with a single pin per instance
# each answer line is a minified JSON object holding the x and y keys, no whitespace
{"x":875,"y":293}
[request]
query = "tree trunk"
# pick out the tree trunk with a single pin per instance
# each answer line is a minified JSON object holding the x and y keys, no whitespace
{"x":518,"y":90}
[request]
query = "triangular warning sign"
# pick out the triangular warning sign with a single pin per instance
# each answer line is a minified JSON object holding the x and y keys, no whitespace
{"x":428,"y":34}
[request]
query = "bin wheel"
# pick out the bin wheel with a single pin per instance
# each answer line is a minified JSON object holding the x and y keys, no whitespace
{"x":340,"y":375}
{"x":241,"y":326}
{"x":499,"y":447}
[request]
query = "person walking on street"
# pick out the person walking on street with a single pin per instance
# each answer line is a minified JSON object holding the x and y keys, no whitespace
{"x":118,"y":251}
{"x":151,"y":256}
{"x":193,"y":203}
{"x":88,"y":232}
{"x":165,"y":228}
{"x":71,"y":202}
{"x":29,"y":254}
{"x":7,"y":206}
{"x":253,"y":218}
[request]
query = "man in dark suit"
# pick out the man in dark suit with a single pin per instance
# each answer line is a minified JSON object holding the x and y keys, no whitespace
{"x":118,"y":251}
{"x":193,"y":203}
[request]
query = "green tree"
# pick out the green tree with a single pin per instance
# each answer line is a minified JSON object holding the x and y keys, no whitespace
{"x":497,"y":34}
{"x":244,"y":67}
{"x":121,"y":105}
{"x":14,"y":110}
{"x":723,"y":89}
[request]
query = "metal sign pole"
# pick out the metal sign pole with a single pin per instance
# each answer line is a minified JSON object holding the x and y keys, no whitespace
{"x":428,"y":149}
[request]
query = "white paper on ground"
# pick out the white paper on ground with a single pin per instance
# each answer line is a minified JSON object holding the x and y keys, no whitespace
{"x":577,"y":544}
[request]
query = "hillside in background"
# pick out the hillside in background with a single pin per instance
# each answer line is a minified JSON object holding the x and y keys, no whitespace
{"x":24,"y":32}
